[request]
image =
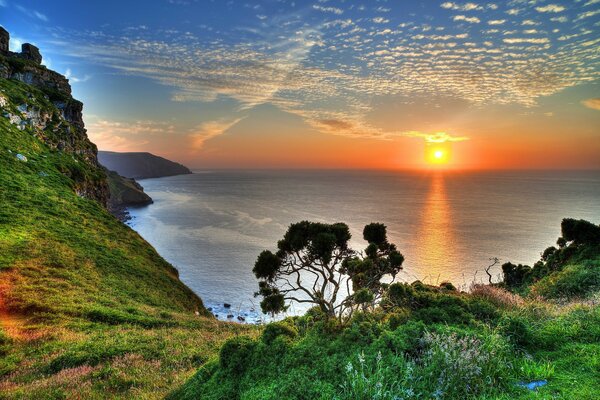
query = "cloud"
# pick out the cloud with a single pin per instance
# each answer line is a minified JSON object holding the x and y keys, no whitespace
{"x":472,"y":20}
{"x":335,"y":124}
{"x":69,"y":75}
{"x":210,"y":129}
{"x":497,"y":22}
{"x":587,"y":15}
{"x":32,"y":13}
{"x":331,"y":73}
{"x":3,"y":3}
{"x":550,"y":8}
{"x":124,"y":136}
{"x":526,"y":40}
{"x":15,"y":43}
{"x":436,"y":137}
{"x":593,"y":103}
{"x":461,"y":7}
{"x":333,"y":10}
{"x":380,"y":20}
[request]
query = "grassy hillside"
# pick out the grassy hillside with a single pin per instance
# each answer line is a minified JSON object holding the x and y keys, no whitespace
{"x":426,"y":342}
{"x":88,"y":309}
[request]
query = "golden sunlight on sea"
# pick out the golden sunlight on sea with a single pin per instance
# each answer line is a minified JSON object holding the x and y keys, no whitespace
{"x":436,"y":237}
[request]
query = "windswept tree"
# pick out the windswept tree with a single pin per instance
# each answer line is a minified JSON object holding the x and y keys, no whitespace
{"x":314,"y":264}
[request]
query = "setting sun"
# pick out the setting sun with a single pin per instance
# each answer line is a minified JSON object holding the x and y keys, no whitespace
{"x":438,"y":154}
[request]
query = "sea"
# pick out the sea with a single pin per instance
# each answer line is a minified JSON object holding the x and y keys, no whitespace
{"x":211,"y":225}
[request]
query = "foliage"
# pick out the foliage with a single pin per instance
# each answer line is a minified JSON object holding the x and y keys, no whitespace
{"x":315,"y":265}
{"x":572,"y":281}
{"x":580,"y":231}
{"x":365,"y":382}
{"x":580,"y":240}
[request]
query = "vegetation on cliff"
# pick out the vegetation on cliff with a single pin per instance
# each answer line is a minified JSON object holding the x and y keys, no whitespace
{"x":88,"y":309}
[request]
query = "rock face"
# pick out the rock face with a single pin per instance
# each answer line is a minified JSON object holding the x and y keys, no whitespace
{"x":140,"y":165}
{"x":4,"y":38}
{"x":125,"y":192}
{"x":50,"y":113}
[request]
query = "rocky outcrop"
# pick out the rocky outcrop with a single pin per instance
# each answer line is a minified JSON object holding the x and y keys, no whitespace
{"x":141,"y":165}
{"x":125,"y":192}
{"x":49,"y":112}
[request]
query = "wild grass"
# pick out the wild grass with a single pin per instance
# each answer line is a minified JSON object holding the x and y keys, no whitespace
{"x":88,"y":309}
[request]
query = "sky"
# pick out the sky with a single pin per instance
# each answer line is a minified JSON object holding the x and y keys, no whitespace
{"x":330,"y":84}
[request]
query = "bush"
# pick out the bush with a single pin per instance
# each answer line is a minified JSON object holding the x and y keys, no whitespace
{"x":572,"y":281}
{"x":397,"y":318}
{"x":235,"y":354}
{"x":580,"y":231}
{"x":517,"y":330}
{"x":515,"y":275}
{"x":275,"y":329}
{"x":483,"y":309}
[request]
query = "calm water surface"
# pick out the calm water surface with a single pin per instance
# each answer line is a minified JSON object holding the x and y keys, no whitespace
{"x":213,"y":225}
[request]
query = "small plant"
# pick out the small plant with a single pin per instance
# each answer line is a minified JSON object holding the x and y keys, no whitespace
{"x":462,"y":366}
{"x":369,"y":382}
{"x":529,"y":370}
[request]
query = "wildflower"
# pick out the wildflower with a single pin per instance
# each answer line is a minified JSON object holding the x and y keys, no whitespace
{"x":349,"y":367}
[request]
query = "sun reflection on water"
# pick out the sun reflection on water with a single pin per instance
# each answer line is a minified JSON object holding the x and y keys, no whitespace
{"x":436,"y":242}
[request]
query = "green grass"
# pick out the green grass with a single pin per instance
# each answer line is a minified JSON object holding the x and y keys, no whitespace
{"x":426,"y":343}
{"x":88,"y":308}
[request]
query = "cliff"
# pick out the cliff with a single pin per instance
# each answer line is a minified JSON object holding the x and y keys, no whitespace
{"x":140,"y":165}
{"x":38,"y":101}
{"x":125,"y":192}
{"x":88,"y":309}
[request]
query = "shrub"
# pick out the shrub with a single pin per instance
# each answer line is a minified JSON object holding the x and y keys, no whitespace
{"x":580,"y":231}
{"x":515,"y":275}
{"x":483,"y":309}
{"x":275,"y":329}
{"x":397,"y":318}
{"x":447,"y":286}
{"x":573,"y":280}
{"x":400,"y":295}
{"x":235,"y":354}
{"x":517,"y":330}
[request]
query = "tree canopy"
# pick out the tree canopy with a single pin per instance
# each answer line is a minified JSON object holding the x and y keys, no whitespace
{"x":314,"y":264}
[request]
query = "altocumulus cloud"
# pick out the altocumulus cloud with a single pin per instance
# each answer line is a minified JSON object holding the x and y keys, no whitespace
{"x":329,"y":72}
{"x":594,"y":103}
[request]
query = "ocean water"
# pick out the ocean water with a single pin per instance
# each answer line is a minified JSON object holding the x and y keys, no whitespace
{"x":213,"y":224}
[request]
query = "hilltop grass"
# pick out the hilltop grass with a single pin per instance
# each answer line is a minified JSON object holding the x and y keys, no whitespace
{"x":88,"y":309}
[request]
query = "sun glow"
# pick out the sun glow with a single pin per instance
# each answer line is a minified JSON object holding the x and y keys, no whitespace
{"x":438,"y":154}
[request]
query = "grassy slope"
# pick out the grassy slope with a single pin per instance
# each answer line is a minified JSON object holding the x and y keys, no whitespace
{"x":87,"y":307}
{"x":519,"y":339}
